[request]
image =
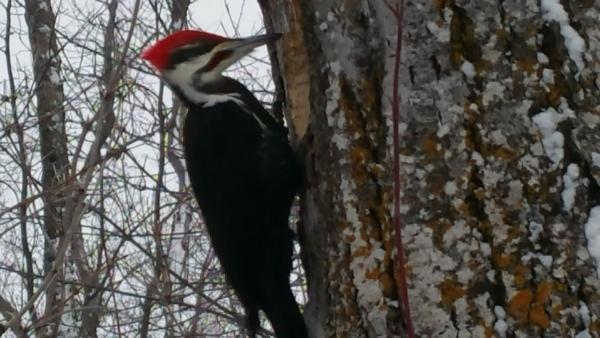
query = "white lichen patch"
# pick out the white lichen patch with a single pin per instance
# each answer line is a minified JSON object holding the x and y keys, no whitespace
{"x":443,"y":130}
{"x":477,"y":158}
{"x":456,"y":232}
{"x":495,"y":215}
{"x":515,"y":193}
{"x":591,"y":120}
{"x":483,"y":309}
{"x":570,"y":184}
{"x":493,"y":90}
{"x":429,"y":266}
{"x":442,"y":34}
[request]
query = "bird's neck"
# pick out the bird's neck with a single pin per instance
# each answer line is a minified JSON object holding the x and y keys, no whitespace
{"x":209,"y":93}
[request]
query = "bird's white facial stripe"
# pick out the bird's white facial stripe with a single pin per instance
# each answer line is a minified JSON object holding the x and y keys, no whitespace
{"x":182,"y":77}
{"x":183,"y":73}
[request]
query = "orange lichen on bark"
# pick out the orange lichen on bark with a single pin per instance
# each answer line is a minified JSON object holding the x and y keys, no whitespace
{"x":439,"y":4}
{"x":430,"y":145}
{"x":502,"y":260}
{"x":505,"y":153}
{"x":527,"y":65}
{"x":518,"y":305}
{"x":451,"y":291}
{"x":522,"y":276}
{"x":537,"y":314}
{"x":554,"y":95}
{"x":543,"y":291}
{"x":439,"y":227}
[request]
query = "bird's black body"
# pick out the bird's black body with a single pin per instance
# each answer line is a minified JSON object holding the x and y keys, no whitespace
{"x":242,"y":169}
{"x":244,"y":175}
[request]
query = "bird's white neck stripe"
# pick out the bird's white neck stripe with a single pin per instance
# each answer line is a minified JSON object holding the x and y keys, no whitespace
{"x":209,"y":100}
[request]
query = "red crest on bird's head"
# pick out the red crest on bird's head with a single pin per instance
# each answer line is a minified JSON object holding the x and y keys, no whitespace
{"x":158,"y":54}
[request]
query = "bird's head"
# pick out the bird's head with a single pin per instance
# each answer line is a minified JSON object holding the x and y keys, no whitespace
{"x":190,"y":59}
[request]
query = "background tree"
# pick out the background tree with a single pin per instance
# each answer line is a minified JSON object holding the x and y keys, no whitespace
{"x":98,"y":231}
{"x":499,"y":154}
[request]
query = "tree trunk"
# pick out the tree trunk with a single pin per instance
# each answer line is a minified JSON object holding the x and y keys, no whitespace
{"x":500,"y":160}
{"x":51,"y":116}
{"x":332,"y":65}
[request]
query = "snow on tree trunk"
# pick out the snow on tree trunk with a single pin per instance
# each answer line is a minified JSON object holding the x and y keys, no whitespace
{"x":500,"y":164}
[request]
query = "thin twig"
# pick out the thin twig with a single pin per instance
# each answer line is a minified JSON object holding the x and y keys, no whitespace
{"x":398,"y":11}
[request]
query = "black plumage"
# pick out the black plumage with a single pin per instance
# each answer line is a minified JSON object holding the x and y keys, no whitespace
{"x":244,"y":176}
{"x":242,"y":170}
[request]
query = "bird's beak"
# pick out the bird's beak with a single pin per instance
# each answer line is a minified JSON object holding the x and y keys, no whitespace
{"x":246,"y":45}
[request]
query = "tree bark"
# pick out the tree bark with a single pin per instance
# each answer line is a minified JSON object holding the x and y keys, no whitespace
{"x":51,"y":116}
{"x":332,"y":62}
{"x":500,"y":159}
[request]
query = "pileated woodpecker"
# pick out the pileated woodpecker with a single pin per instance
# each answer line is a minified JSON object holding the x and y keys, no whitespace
{"x":242,"y":170}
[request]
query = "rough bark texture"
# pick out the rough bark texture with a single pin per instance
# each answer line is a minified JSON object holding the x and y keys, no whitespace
{"x":495,"y":245}
{"x":332,"y":61}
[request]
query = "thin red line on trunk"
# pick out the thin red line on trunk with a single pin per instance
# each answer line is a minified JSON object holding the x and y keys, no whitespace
{"x":398,"y":11}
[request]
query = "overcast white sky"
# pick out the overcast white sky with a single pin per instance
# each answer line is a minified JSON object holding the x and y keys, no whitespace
{"x":210,"y":15}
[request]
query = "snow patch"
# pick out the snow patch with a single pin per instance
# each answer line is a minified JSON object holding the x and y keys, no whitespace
{"x":178,"y":24}
{"x":584,"y":312}
{"x":547,"y":121}
{"x":596,"y":159}
{"x":535,"y":229}
{"x":53,"y":75}
{"x":570,"y":183}
{"x":44,"y":29}
{"x":548,"y":76}
{"x":450,"y":188}
{"x":542,"y":58}
{"x":468,"y":69}
{"x":501,"y":327}
{"x":552,"y":10}
{"x":592,"y":233}
{"x":584,"y":334}
{"x":546,"y":260}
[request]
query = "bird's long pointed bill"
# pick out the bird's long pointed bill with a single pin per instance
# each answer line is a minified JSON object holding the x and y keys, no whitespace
{"x":249,"y":43}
